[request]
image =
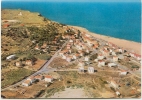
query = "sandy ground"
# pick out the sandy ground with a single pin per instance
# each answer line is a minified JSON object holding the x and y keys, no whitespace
{"x":70,"y":93}
{"x":129,"y":45}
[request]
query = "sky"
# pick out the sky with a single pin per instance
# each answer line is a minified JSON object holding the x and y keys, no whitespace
{"x":79,"y":0}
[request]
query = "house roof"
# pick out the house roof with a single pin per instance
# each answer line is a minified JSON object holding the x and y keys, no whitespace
{"x":38,"y":76}
{"x":47,"y":76}
{"x":27,"y":81}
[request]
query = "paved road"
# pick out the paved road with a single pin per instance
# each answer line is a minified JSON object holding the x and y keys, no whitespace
{"x":44,"y":69}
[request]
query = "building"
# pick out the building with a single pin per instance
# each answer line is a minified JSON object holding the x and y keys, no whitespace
{"x":26,"y":83}
{"x":81,"y":69}
{"x":81,"y":64}
{"x":101,"y":63}
{"x":69,"y":58}
{"x":48,"y":78}
{"x":29,"y":62}
{"x":90,"y":70}
{"x":39,"y":77}
{"x":123,"y":72}
{"x":115,"y":58}
{"x":44,"y":46}
{"x":117,"y":93}
{"x":100,"y":56}
{"x":114,"y":84}
{"x":11,"y":57}
{"x":31,"y":79}
{"x":86,"y":58}
{"x":18,"y":63}
{"x":37,"y":47}
{"x":112,"y":64}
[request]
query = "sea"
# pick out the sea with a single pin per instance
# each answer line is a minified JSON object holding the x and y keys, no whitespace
{"x":115,"y":19}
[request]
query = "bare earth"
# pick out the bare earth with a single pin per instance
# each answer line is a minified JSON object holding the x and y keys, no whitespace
{"x":130,"y":45}
{"x":70,"y":93}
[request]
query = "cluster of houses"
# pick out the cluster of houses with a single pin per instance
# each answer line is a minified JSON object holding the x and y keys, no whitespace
{"x":30,"y":80}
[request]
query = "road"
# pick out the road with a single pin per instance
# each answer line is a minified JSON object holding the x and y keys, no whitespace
{"x":44,"y":69}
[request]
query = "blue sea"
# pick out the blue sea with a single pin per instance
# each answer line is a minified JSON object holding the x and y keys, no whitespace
{"x":119,"y":20}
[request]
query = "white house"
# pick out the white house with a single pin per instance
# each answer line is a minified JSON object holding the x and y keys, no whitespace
{"x":63,"y":57}
{"x":117,"y":93}
{"x":81,"y":69}
{"x":101,"y":63}
{"x":26,"y":83}
{"x":74,"y":57}
{"x":100,"y":57}
{"x":48,"y":78}
{"x":90,"y":70}
{"x":69,"y":58}
{"x":31,"y":79}
{"x":81,"y":64}
{"x":114,"y":84}
{"x":123,"y":72}
{"x":115,"y":58}
{"x":120,"y":50}
{"x":113,"y":53}
{"x":112,"y":64}
{"x":96,"y":60}
{"x":86,"y":58}
{"x":18,"y":64}
{"x":10,"y":57}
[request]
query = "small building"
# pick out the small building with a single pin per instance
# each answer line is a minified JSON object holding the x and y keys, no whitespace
{"x":117,"y":93}
{"x":86,"y":58}
{"x":114,"y":84}
{"x":31,"y":79}
{"x":81,"y":69}
{"x":113,"y":53}
{"x":18,"y":63}
{"x":90,"y":70}
{"x":44,"y":46}
{"x":101,"y":63}
{"x":74,"y":57}
{"x":123,"y":72}
{"x":6,"y":25}
{"x":39,"y":77}
{"x":37,"y":47}
{"x":100,"y":57}
{"x":20,"y":14}
{"x":81,"y":64}
{"x":11,"y":57}
{"x":112,"y":65}
{"x":115,"y":58}
{"x":29,"y":62}
{"x":48,"y":78}
{"x":26,"y":83}
{"x":69,"y":58}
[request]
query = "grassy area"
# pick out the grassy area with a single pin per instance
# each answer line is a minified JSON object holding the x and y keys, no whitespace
{"x":43,"y":56}
{"x":14,"y":76}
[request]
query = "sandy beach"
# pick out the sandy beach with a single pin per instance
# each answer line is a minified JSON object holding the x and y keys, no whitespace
{"x":129,"y":45}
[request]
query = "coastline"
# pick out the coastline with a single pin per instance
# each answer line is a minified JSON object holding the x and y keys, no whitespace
{"x":126,"y":44}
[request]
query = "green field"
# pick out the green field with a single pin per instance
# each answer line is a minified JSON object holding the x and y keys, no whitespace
{"x":14,"y":76}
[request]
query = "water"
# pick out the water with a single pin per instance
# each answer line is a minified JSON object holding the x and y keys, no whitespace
{"x":120,"y":20}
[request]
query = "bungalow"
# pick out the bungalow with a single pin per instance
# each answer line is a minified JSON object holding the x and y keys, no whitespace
{"x":26,"y":83}
{"x":117,"y":93}
{"x":39,"y":77}
{"x":115,"y":58}
{"x":71,"y":41}
{"x":114,"y":84}
{"x":86,"y":58}
{"x":74,"y":57}
{"x":120,"y":50}
{"x":11,"y":57}
{"x":113,"y":53}
{"x":81,"y":69}
{"x":111,"y":65}
{"x":101,"y":63}
{"x":48,"y":78}
{"x":123,"y":72}
{"x":64,"y":57}
{"x":6,"y":25}
{"x":18,"y":64}
{"x":69,"y":58}
{"x":54,"y":42}
{"x":90,"y":70}
{"x":44,"y":46}
{"x":31,"y":79}
{"x":81,"y":64}
{"x":105,"y":52}
{"x":100,"y":56}
{"x":37,"y":47}
{"x":29,"y":62}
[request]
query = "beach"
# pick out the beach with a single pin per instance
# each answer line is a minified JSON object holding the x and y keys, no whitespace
{"x":125,"y":44}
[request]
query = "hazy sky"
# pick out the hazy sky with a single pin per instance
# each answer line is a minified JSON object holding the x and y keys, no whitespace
{"x":80,"y":0}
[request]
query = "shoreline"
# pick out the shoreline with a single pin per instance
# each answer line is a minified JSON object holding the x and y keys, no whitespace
{"x":126,"y":44}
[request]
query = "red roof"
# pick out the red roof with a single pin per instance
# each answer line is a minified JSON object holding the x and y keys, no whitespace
{"x":48,"y":76}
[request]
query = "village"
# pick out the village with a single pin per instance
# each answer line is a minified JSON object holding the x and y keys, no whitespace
{"x":101,"y":64}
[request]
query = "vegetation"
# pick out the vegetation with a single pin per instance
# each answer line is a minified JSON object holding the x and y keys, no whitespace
{"x":14,"y":76}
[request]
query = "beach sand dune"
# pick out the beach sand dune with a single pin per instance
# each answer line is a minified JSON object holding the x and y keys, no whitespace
{"x":129,"y":45}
